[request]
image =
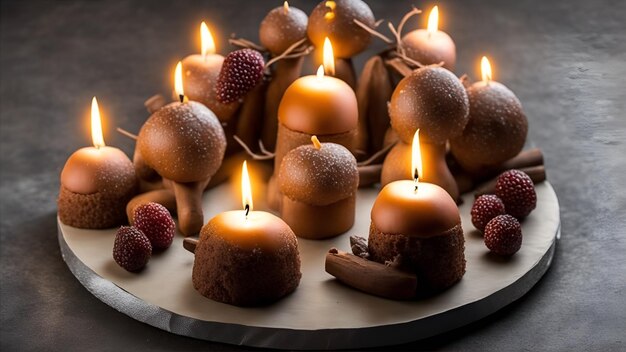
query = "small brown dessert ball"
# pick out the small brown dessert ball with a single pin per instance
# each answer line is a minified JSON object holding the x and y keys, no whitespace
{"x":335,"y":20}
{"x":246,"y":266}
{"x":319,"y":176}
{"x":282,"y":27}
{"x":431,"y":99}
{"x":183,"y":142}
{"x":496,"y":130}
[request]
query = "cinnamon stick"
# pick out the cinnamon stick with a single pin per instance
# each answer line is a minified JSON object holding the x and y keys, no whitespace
{"x":154,"y":103}
{"x":344,"y":70}
{"x":286,"y":71}
{"x":380,"y":92}
{"x":250,"y":119}
{"x":369,"y":174}
{"x":190,"y":244}
{"x":399,"y":66}
{"x":526,"y":158}
{"x":370,"y":276}
{"x":536,"y":173}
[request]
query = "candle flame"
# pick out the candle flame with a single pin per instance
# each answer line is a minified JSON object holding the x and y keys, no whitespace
{"x":486,"y":69}
{"x":96,"y":125}
{"x":329,"y":58}
{"x":286,"y":7}
{"x":178,"y":81}
{"x":246,"y":189}
{"x":208,"y":44}
{"x":416,"y":160}
{"x":320,"y":71}
{"x":331,"y":10}
{"x":433,"y":20}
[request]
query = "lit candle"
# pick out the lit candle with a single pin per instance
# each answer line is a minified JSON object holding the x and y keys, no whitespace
{"x":420,"y":222}
{"x":335,"y":20}
{"x":433,"y":100}
{"x":314,"y":105}
{"x":430,"y":45}
{"x":184,"y":142}
{"x":201,"y":72}
{"x":246,"y":257}
{"x":319,"y":182}
{"x":96,"y":183}
{"x":497,"y":126}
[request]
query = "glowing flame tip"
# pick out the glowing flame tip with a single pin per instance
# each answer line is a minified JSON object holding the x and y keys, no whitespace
{"x":246,"y":189}
{"x":178,"y":80}
{"x":207,"y":42}
{"x":96,"y":125}
{"x":433,"y":20}
{"x":416,"y":160}
{"x":329,"y":58}
{"x":486,"y":69}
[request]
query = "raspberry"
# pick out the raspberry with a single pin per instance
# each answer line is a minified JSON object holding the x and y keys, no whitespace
{"x":240,"y":72}
{"x":485,"y":208}
{"x":132,"y":249}
{"x":503,"y":235}
{"x":517,"y":192}
{"x":155,"y":221}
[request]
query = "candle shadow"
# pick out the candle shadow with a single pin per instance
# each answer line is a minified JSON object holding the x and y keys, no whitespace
{"x":496,"y":258}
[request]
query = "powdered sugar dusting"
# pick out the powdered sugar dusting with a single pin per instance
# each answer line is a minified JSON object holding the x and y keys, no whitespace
{"x":319,"y":177}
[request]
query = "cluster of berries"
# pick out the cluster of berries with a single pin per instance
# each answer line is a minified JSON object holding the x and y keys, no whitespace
{"x":153,"y":229}
{"x":497,"y":216}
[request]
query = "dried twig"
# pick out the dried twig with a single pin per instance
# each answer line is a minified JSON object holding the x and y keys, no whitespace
{"x":265,"y":156}
{"x":288,"y":51}
{"x":245,"y":43}
{"x":373,"y":31}
{"x":376,"y":156}
{"x":127,"y":134}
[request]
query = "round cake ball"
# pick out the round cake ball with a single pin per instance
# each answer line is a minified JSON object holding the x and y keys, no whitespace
{"x":496,"y":130}
{"x":335,"y":20}
{"x":183,"y":142}
{"x":431,"y":99}
{"x":319,"y":176}
{"x":282,"y":27}
{"x":246,"y":265}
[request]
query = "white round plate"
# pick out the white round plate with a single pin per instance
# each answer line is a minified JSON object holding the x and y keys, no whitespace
{"x":322,"y":313}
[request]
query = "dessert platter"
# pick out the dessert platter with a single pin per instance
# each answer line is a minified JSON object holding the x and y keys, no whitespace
{"x":269,"y":209}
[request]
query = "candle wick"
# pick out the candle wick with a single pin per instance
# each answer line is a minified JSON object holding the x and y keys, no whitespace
{"x":181,"y":97}
{"x":247,"y":210}
{"x":416,"y":179}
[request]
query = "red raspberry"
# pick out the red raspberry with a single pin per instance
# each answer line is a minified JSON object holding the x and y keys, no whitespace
{"x":485,"y":208}
{"x":240,"y":72}
{"x":517,"y":192}
{"x":503,"y":235}
{"x":155,"y":221}
{"x":132,"y":249}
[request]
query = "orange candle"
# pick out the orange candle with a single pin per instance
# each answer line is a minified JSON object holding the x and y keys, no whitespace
{"x":201,"y":72}
{"x":430,"y":45}
{"x":96,"y":183}
{"x":318,"y":105}
{"x":246,"y":257}
{"x":420,"y":223}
